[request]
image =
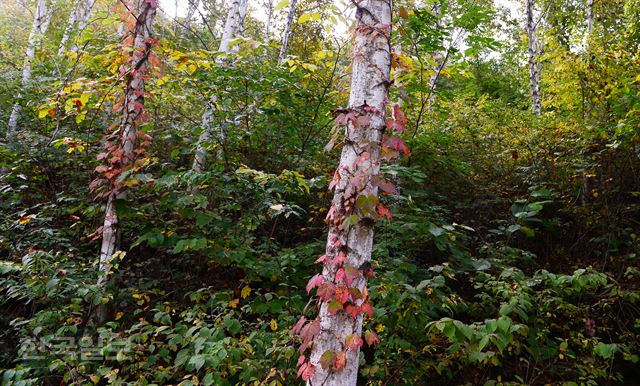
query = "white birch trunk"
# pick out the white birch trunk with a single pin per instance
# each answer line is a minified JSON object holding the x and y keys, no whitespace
{"x":589,"y":21}
{"x":267,"y":29}
{"x":78,"y":21}
{"x":134,"y":98}
{"x":191,"y":11}
{"x":368,"y":98}
{"x":287,"y":31}
{"x":42,"y":18}
{"x":233,"y":27}
{"x":534,"y":59}
{"x":440,"y":63}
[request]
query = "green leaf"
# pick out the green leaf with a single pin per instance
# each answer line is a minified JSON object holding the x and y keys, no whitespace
{"x":281,"y":5}
{"x":606,"y":350}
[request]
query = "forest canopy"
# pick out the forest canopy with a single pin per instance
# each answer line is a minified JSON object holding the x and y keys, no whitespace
{"x":361,"y":192}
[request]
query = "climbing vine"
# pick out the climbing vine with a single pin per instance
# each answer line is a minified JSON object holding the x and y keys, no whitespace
{"x":341,"y":287}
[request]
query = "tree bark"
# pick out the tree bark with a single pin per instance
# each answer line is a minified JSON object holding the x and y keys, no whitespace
{"x":42,"y":18}
{"x":80,"y":16}
{"x":233,"y":27}
{"x":128,"y":129}
{"x":359,"y":164}
{"x":287,"y":31}
{"x":589,"y":20}
{"x":534,"y":51}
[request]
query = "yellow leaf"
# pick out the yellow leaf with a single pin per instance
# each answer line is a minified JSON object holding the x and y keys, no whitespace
{"x":95,"y":379}
{"x":273,"y":325}
{"x":24,"y":220}
{"x":119,"y":315}
{"x":234,"y":303}
{"x":281,"y":5}
{"x":246,"y":291}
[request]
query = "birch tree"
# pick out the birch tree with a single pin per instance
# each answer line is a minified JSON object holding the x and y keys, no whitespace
{"x":41,"y":20}
{"x":125,"y":149}
{"x":78,"y":20}
{"x":287,"y":31}
{"x":335,"y":336}
{"x":534,"y":52}
{"x":233,"y":28}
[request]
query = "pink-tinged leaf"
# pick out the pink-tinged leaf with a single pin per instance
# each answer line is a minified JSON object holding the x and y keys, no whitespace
{"x":397,"y":143}
{"x":315,"y":282}
{"x":310,"y":330}
{"x":353,"y":342}
{"x":352,"y":310}
{"x":366,"y":308}
{"x":333,"y":307}
{"x":301,"y":360}
{"x":384,"y":185}
{"x":296,"y":329}
{"x":342,"y":294}
{"x":341,"y":277}
{"x":371,"y":338}
{"x":351,"y":273}
{"x":363,"y":120}
{"x":340,"y":258}
{"x":383,"y":211}
{"x":341,"y":360}
{"x":399,"y":116}
{"x":355,"y":293}
{"x":335,"y":180}
{"x":306,"y":371}
{"x":327,"y":359}
{"x":330,"y":214}
{"x":322,"y":259}
{"x":325,"y":291}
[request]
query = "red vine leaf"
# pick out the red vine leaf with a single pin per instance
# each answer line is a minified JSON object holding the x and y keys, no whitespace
{"x":371,"y":338}
{"x":341,"y":360}
{"x":307,"y":371}
{"x":298,"y":326}
{"x":315,"y":281}
{"x":333,"y":307}
{"x":327,"y":359}
{"x":353,"y":342}
{"x":342,"y":294}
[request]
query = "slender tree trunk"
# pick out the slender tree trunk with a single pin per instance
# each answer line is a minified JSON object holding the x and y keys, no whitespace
{"x":42,"y":18}
{"x":534,"y":59}
{"x":267,"y":29}
{"x":191,"y":11}
{"x":233,"y":27}
{"x":359,"y":165}
{"x":589,"y":20}
{"x":128,"y":129}
{"x":80,"y":16}
{"x":287,"y":31}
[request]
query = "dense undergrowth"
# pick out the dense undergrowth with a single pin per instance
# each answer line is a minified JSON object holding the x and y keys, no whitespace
{"x":512,"y":257}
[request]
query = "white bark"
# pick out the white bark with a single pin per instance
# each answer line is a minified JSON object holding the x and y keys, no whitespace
{"x":287,"y":31}
{"x":534,"y":51}
{"x":234,"y":25}
{"x":267,"y":30}
{"x":589,"y":20}
{"x":42,"y":18}
{"x":134,"y":98}
{"x":368,"y":97}
{"x":191,"y":11}
{"x":233,"y":28}
{"x":78,"y":20}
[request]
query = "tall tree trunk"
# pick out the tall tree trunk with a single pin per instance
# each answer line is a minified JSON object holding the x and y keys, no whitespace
{"x":358,"y":168}
{"x":589,"y":20}
{"x":42,"y":18}
{"x":534,"y":59}
{"x":267,"y":29}
{"x":78,"y":21}
{"x":287,"y":31}
{"x":440,"y":59}
{"x":191,"y":11}
{"x":233,"y":27}
{"x":133,"y":105}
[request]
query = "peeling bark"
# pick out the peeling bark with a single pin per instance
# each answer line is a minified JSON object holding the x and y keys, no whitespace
{"x":534,"y":52}
{"x":233,"y":28}
{"x":128,"y":128}
{"x":80,"y":16}
{"x":42,"y":18}
{"x":371,"y":65}
{"x":287,"y":31}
